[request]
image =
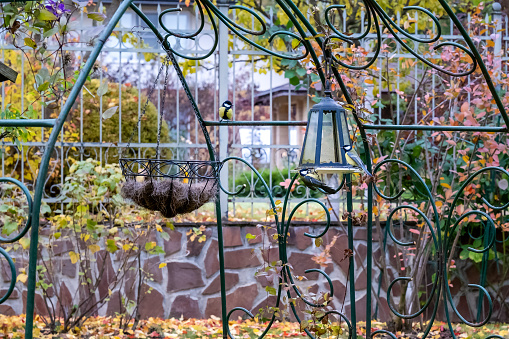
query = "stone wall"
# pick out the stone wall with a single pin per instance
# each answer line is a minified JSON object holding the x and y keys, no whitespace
{"x":189,"y":285}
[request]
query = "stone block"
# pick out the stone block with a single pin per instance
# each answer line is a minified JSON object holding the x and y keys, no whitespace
{"x":211,"y":261}
{"x":302,"y":262}
{"x":232,"y":236}
{"x":194,"y":247}
{"x":257,"y":232}
{"x":151,"y":267}
{"x":241,"y":297}
{"x":65,"y":303}
{"x":115,"y":305}
{"x":270,"y":254}
{"x":40,"y":307}
{"x":360,"y":254}
{"x":60,"y":247}
{"x":7,"y":310}
{"x":68,"y":268}
{"x":241,"y":258}
{"x":105,"y":272}
{"x":183,"y":276}
{"x":298,"y":239}
{"x":174,"y":244}
{"x":151,"y":304}
{"x":14,"y":294}
{"x":186,"y":307}
{"x":231,"y":279}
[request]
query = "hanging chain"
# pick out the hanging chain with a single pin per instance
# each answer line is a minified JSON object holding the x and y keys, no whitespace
{"x":144,"y":109}
{"x":161,"y":111}
{"x":180,"y":75}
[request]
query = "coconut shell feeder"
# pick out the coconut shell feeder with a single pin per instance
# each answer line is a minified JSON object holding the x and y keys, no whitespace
{"x":172,"y":187}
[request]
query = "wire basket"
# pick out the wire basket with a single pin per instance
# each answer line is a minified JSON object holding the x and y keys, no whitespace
{"x":171,"y":187}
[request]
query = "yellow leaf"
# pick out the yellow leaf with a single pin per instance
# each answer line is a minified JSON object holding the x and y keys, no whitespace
{"x":25,"y":242}
{"x":22,"y":277}
{"x":446,"y":185}
{"x":161,"y":265}
{"x":278,"y":202}
{"x":490,"y":43}
{"x":74,"y":257}
{"x":94,"y":248}
{"x":369,"y":81}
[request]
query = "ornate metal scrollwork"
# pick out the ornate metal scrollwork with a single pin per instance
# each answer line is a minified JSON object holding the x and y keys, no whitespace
{"x":442,"y":246}
{"x":286,"y":276}
{"x":20,"y":235}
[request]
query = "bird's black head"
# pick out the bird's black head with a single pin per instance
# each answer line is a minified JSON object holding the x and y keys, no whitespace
{"x":303,"y":172}
{"x":227,"y":103}
{"x":347,"y":147}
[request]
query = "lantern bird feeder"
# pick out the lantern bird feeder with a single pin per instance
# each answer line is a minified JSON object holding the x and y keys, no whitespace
{"x":327,"y":140}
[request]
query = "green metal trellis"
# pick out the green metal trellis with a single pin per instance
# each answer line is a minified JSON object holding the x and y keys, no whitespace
{"x":306,"y":32}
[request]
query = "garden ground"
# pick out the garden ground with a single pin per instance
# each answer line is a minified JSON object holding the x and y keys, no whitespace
{"x":108,"y":327}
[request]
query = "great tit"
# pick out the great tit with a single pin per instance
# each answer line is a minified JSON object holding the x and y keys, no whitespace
{"x":225,"y":111}
{"x":310,"y":179}
{"x":353,"y":159}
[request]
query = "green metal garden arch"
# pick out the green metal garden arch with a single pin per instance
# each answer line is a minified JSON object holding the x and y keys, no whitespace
{"x":306,"y":32}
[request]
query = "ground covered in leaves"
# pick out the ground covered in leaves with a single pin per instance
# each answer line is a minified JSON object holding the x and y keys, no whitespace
{"x":107,"y":327}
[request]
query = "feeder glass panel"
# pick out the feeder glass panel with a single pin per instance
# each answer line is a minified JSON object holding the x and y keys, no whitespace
{"x":344,"y":128}
{"x":309,"y":149}
{"x":328,"y":146}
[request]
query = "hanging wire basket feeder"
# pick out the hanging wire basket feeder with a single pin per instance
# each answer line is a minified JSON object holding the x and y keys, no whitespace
{"x":172,"y":187}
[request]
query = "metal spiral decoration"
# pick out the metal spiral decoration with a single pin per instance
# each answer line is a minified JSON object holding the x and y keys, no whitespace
{"x":286,"y":276}
{"x":20,"y":235}
{"x":443,"y":247}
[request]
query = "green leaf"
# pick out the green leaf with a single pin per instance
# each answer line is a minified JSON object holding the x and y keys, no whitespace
{"x":9,"y":226}
{"x":50,"y":32}
{"x":103,"y":88}
{"x":96,"y":16}
{"x":271,"y":290}
{"x":476,"y":257}
{"x":294,"y":81}
{"x":46,"y":15}
{"x":43,"y":87}
{"x":30,"y":43}
{"x":250,"y":236}
{"x":111,"y":246}
{"x":301,"y":72}
{"x":165,"y":236}
{"x":318,"y":242}
{"x":109,"y":112}
{"x":102,"y":190}
{"x":150,"y":245}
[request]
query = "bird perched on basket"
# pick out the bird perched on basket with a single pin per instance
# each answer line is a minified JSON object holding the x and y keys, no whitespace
{"x":311,"y":180}
{"x":353,"y":159}
{"x":225,"y":111}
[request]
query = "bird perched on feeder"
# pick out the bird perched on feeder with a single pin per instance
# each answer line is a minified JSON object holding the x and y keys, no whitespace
{"x":353,"y":159}
{"x":225,"y":111}
{"x":311,"y":180}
